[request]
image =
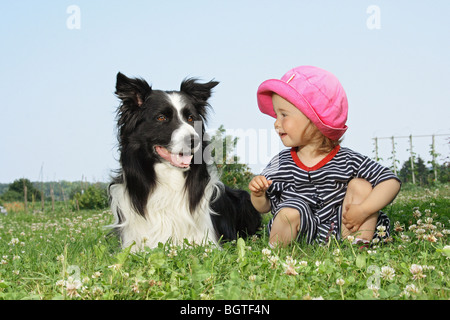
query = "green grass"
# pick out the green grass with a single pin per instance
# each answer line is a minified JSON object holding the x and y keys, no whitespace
{"x":66,"y":254}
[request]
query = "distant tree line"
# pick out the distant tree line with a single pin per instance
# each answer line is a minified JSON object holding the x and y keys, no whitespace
{"x":62,"y":190}
{"x":80,"y":194}
{"x":424,"y":175}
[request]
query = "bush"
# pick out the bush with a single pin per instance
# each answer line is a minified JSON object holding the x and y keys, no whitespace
{"x":15,"y":191}
{"x":94,"y":197}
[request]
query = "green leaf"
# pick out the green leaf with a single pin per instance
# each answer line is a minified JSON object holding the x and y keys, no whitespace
{"x":123,"y":255}
{"x":361,"y":261}
{"x":99,"y":251}
{"x":241,"y":248}
{"x":445,"y":250}
{"x":393,"y":290}
{"x":157,"y":259}
{"x":365,"y":294}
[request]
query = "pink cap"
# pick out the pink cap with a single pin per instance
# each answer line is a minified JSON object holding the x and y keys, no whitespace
{"x":317,"y":93}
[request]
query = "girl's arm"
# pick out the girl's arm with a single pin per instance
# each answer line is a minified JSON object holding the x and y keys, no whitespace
{"x":380,"y":196}
{"x":258,"y":187}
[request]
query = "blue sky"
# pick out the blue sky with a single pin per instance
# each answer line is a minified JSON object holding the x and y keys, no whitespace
{"x":57,"y":106}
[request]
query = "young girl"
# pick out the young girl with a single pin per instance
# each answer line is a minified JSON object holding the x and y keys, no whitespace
{"x":317,"y":188}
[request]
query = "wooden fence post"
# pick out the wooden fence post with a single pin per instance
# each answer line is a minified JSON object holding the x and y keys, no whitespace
{"x":25,"y":196}
{"x":393,"y":155}
{"x":52,"y":194}
{"x":376,"y":149}
{"x":412,"y":159}
{"x":433,"y":154}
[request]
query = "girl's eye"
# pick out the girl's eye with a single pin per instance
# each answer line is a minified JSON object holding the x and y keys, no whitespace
{"x":161,"y":118}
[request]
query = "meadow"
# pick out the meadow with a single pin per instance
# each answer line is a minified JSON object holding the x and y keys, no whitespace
{"x":68,"y":254}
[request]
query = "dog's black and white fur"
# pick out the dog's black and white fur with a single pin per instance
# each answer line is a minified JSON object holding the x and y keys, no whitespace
{"x":160,"y":193}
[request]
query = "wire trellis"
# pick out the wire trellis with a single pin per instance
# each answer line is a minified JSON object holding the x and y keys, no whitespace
{"x":433,"y":152}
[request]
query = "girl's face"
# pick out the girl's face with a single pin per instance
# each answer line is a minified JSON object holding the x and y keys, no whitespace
{"x":291,"y":123}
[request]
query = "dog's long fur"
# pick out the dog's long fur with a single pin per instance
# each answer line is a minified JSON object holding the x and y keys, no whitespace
{"x":158,"y":195}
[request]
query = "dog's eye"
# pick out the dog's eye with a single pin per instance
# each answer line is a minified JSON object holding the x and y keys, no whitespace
{"x":190,"y":119}
{"x":161,"y":118}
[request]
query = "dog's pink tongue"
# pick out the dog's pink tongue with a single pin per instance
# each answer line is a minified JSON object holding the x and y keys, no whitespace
{"x":176,"y":160}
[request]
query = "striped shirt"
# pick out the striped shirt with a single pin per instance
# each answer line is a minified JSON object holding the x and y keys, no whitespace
{"x":318,"y":192}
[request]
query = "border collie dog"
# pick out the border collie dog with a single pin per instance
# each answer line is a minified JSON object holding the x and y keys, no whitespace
{"x":165,"y":190}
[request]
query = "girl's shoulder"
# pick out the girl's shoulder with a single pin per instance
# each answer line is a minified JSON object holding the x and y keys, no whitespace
{"x":349,"y":153}
{"x":282,"y":157}
{"x":279,"y":162}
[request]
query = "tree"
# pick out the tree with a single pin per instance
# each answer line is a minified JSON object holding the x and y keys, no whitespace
{"x":15,"y":191}
{"x":232,"y":173}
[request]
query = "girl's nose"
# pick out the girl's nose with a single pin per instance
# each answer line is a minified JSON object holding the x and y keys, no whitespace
{"x":276,"y":124}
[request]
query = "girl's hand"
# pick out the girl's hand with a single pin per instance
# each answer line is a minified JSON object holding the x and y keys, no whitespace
{"x":259,"y":185}
{"x":353,"y":217}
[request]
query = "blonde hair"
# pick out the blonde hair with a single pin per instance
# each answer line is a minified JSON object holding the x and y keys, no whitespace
{"x":325,"y":144}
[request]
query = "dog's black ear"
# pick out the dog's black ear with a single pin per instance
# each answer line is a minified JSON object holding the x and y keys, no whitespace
{"x":132,"y":90}
{"x":200,"y":91}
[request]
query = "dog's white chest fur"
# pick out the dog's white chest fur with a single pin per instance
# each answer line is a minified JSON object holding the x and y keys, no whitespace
{"x":168,"y":216}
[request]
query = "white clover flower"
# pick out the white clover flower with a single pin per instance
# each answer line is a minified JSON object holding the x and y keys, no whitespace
{"x":429,"y":220}
{"x":410,"y":288}
{"x":420,"y":231}
{"x":14,"y":241}
{"x":172,"y":253}
{"x":387,"y":273}
{"x":290,"y":270}
{"x":431,"y":238}
{"x":405,"y":238}
{"x":290,"y":260}
{"x":303,"y":263}
{"x":397,"y":226}
{"x":72,"y":287}
{"x":290,"y":266}
{"x":115,"y":267}
{"x":60,"y":283}
{"x":417,"y":271}
{"x":273,"y":260}
{"x":340,"y":282}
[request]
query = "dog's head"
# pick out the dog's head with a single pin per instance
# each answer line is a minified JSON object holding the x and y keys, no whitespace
{"x":169,"y":124}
